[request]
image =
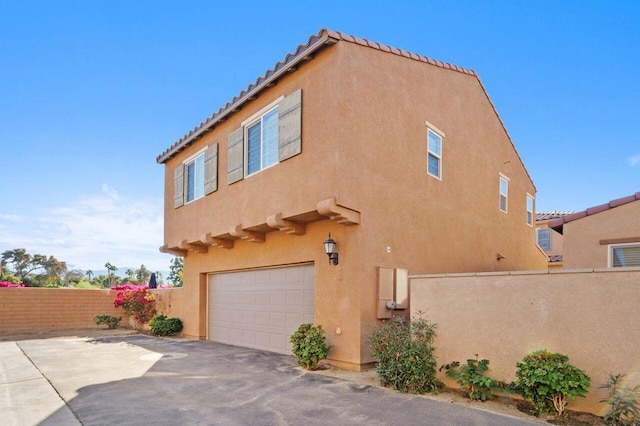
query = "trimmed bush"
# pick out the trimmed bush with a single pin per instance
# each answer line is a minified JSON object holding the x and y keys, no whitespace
{"x":109,"y":320}
{"x":163,"y":326}
{"x":404,"y":355}
{"x":549,"y":381}
{"x":475,"y":385}
{"x":309,"y":345}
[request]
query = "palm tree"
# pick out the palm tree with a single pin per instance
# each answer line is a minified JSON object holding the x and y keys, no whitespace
{"x":88,"y":273}
{"x":110,"y":270}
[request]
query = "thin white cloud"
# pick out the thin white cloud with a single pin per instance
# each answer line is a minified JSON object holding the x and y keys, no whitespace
{"x":634,"y":160}
{"x":93,"y":230}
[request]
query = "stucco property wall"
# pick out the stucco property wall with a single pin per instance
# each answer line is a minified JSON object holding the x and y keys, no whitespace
{"x":589,"y":316}
{"x":582,"y":247}
{"x":30,"y":310}
{"x":46,"y":309}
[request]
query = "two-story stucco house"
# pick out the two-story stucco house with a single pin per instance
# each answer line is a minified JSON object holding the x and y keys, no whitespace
{"x":401,"y":158}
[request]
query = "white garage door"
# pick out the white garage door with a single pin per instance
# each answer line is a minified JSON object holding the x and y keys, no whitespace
{"x":260,"y":308}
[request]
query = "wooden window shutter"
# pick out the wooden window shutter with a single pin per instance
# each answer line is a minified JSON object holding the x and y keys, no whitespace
{"x":235,"y":156}
{"x":211,"y":169}
{"x":290,"y":126}
{"x":178,"y":186}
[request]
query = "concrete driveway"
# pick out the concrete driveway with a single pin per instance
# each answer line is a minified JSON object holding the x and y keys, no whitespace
{"x":141,"y":380}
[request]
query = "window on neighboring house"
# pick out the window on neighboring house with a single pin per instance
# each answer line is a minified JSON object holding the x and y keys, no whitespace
{"x":262,"y":142}
{"x":504,"y":193}
{"x":194,"y":171}
{"x":544,"y":239}
{"x":529,"y":210}
{"x":624,"y":255}
{"x":434,"y":154}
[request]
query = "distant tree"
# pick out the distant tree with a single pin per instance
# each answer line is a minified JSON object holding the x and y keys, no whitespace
{"x":102,"y":281}
{"x":143,"y":275}
{"x":37,"y":269}
{"x":110,"y":270}
{"x":175,"y":271}
{"x":73,"y":276}
{"x":130,"y":275}
{"x":88,"y":273}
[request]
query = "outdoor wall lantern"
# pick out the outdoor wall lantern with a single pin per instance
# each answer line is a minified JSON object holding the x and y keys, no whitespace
{"x":330,"y":249}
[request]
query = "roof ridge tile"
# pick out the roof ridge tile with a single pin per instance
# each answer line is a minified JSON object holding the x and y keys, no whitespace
{"x":314,"y":41}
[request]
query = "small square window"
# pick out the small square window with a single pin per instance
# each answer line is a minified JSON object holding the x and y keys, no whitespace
{"x":544,"y":239}
{"x":624,"y":255}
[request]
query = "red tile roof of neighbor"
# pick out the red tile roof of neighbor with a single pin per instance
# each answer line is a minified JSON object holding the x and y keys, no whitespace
{"x":554,"y":258}
{"x":557,"y":223}
{"x":547,"y":215}
{"x":304,"y":52}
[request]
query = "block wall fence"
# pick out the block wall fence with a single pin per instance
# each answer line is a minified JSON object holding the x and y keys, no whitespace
{"x":591,"y":316}
{"x":32,"y":310}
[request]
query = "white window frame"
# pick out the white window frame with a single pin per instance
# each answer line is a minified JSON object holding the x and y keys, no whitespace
{"x":538,"y":231}
{"x":440,"y":134}
{"x":529,"y":215}
{"x":255,"y":118}
{"x":505,"y":179}
{"x":185,"y":164}
{"x":610,"y":254}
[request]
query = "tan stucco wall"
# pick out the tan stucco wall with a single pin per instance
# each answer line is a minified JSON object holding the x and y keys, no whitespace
{"x":590,"y":317}
{"x":582,"y":237}
{"x":364,"y":142}
{"x":557,"y":239}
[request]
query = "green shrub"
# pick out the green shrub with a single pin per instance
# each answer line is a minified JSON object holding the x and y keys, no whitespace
{"x":475,"y":385}
{"x":163,"y":326}
{"x":625,"y":408}
{"x":309,"y":345}
{"x":404,"y":355}
{"x":549,"y":381}
{"x":109,"y":320}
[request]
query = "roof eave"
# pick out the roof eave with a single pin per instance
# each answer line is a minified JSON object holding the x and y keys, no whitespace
{"x":294,"y":59}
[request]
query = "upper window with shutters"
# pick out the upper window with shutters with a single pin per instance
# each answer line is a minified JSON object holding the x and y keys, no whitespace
{"x":197,"y":176}
{"x":272,"y":135}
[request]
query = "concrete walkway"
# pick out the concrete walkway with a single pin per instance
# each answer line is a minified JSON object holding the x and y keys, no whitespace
{"x":141,"y":380}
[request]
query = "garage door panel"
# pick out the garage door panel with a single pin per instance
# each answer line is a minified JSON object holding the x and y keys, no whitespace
{"x":260,"y":308}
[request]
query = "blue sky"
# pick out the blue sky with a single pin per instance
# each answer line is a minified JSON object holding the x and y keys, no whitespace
{"x":92,"y":91}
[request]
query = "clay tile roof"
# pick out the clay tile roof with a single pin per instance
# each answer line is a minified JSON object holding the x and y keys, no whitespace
{"x":304,"y":51}
{"x":548,"y":215}
{"x":557,"y":223}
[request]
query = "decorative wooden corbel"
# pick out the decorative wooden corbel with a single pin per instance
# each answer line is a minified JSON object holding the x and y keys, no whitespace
{"x":340,"y":214}
{"x":254,"y":237}
{"x":276,"y":221}
{"x":174,"y":251}
{"x":198,"y":248}
{"x":216,"y":242}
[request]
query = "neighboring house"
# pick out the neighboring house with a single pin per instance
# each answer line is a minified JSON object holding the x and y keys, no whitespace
{"x":401,"y":158}
{"x":550,"y":240}
{"x":604,"y":236}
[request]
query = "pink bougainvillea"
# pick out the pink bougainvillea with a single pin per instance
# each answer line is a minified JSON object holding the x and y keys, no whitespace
{"x":136,"y":301}
{"x":10,"y":284}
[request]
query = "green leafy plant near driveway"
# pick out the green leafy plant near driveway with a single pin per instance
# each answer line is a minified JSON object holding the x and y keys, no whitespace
{"x":549,"y":381}
{"x":404,"y":355}
{"x":163,"y":326}
{"x":309,"y":345}
{"x":109,"y":320}
{"x":471,"y":378}
{"x":623,"y":401}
